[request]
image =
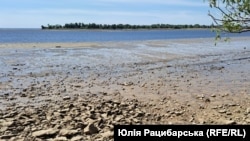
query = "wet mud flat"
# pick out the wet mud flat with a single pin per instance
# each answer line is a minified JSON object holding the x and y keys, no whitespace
{"x":78,"y":91}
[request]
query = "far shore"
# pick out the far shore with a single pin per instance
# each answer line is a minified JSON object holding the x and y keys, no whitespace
{"x":139,"y":29}
{"x":81,"y":29}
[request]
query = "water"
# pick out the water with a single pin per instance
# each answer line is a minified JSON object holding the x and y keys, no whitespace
{"x":43,"y":36}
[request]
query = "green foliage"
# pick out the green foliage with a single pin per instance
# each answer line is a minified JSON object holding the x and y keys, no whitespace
{"x":235,"y":15}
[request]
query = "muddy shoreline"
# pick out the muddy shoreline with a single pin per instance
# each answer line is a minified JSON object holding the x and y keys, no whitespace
{"x":78,"y":91}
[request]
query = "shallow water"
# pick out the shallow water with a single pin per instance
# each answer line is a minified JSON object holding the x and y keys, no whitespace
{"x":22,"y":61}
{"x":46,"y":36}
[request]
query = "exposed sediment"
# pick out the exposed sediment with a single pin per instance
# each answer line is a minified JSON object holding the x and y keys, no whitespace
{"x":80,"y":91}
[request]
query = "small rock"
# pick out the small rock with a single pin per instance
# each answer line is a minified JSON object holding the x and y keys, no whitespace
{"x":32,"y":96}
{"x":178,"y":113}
{"x":128,"y":83}
{"x":23,"y":95}
{"x":232,"y":104}
{"x":90,"y":129}
{"x":60,"y":139}
{"x":17,"y":139}
{"x":107,"y":135}
{"x":248,"y":110}
{"x":207,"y":100}
{"x":224,"y":95}
{"x":139,"y":114}
{"x":248,"y":120}
{"x":64,"y":110}
{"x":213,"y":95}
{"x":66,"y":98}
{"x":48,"y":132}
{"x":77,"y":138}
{"x":3,"y":129}
{"x":200,"y":96}
{"x":222,"y":111}
{"x":7,"y":136}
{"x":143,"y":85}
{"x":214,"y":107}
{"x":229,"y":122}
{"x":6,"y":124}
{"x":136,"y":120}
{"x":66,"y":132}
{"x":118,"y":118}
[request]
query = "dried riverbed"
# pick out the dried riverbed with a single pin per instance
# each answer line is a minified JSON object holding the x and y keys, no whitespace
{"x":78,"y":91}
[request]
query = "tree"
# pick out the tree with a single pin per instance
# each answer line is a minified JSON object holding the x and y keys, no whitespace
{"x":235,"y":15}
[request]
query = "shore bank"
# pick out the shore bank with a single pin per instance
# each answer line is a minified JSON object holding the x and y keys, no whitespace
{"x":78,"y":91}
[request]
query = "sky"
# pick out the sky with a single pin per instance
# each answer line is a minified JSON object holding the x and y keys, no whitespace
{"x":34,"y":13}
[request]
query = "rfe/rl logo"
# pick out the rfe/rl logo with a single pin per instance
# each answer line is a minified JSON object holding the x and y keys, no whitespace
{"x":226,"y":132}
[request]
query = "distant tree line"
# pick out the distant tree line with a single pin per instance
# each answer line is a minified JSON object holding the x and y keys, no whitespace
{"x":121,"y":26}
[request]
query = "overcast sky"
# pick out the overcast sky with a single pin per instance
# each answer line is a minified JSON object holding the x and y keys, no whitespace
{"x":34,"y":13}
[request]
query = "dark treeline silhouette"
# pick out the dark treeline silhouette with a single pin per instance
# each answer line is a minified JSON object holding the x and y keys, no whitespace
{"x":121,"y":26}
